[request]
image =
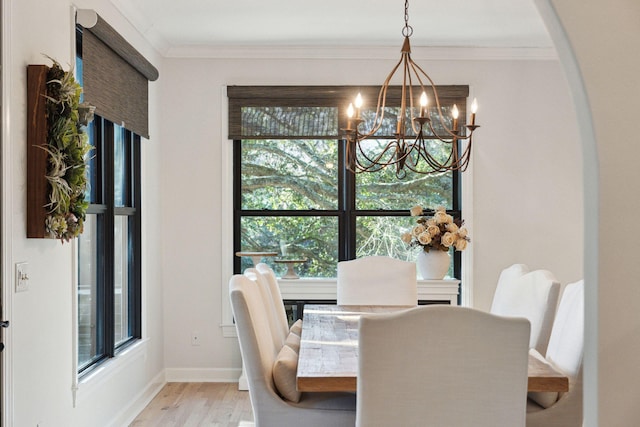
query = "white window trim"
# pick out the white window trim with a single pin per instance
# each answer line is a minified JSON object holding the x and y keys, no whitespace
{"x":82,"y":387}
{"x":226,"y":237}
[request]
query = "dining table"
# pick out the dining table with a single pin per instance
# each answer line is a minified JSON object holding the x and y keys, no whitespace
{"x":328,"y":355}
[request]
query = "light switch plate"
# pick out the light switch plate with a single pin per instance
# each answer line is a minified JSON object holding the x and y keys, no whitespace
{"x":22,"y":277}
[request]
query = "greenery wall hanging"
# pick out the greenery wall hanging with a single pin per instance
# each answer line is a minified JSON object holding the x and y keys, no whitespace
{"x":56,"y":154}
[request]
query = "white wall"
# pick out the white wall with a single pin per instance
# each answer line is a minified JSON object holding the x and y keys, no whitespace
{"x":41,"y":336}
{"x":525,"y":111}
{"x":602,"y":36}
{"x":526,"y":175}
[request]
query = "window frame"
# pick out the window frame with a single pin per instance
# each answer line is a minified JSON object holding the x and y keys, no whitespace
{"x":104,"y":207}
{"x":346,"y":212}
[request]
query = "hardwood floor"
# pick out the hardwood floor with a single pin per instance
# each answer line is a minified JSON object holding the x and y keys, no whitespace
{"x":197,"y":404}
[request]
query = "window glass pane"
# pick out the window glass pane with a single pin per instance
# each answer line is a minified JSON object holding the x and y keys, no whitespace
{"x":120,"y":166}
{"x":88,"y":292}
{"x":78,"y":74}
{"x":314,"y":238}
{"x":289,"y":121}
{"x":289,"y":174}
{"x":383,"y":190}
{"x":121,"y":279}
{"x":382,"y":236}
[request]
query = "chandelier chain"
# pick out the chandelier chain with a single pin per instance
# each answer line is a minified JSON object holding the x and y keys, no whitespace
{"x":407,"y":31}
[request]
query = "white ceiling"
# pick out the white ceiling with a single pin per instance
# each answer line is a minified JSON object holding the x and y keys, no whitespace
{"x":174,"y":25}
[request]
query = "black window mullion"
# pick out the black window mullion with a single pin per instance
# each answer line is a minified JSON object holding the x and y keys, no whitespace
{"x":237,"y":202}
{"x":343,"y":247}
{"x":347,"y":185}
{"x":108,"y":243}
{"x":135,"y":238}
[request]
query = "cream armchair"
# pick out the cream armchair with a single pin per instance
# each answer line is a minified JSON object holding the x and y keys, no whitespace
{"x":566,"y":347}
{"x":442,"y":366}
{"x":271,"y":406}
{"x":533,"y":295}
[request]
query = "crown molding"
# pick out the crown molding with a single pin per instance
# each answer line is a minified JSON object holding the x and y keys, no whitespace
{"x":323,"y":52}
{"x":361,"y":53}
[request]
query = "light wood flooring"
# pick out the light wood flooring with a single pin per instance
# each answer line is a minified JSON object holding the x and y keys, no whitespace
{"x":197,"y":404}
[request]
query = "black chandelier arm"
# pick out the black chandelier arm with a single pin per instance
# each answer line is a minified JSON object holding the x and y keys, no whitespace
{"x":454,"y":161}
{"x":408,"y":156}
{"x":393,"y":148}
{"x":435,"y":165}
{"x":453,"y":135}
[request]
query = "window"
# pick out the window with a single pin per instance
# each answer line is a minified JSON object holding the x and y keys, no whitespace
{"x":109,"y":282}
{"x":293,"y":192}
{"x":109,"y":248}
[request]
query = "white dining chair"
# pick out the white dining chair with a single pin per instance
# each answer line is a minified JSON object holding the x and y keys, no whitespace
{"x":565,"y":351}
{"x":442,"y":366}
{"x":266,"y":364}
{"x":529,"y":294}
{"x":278,"y":303}
{"x":377,"y":280}
{"x":503,"y":292}
{"x":278,"y":334}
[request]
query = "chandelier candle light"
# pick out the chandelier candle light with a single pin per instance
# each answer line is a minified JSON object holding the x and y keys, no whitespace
{"x":406,"y":151}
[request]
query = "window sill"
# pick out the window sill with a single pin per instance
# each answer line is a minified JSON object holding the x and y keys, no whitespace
{"x":325,"y":289}
{"x":94,"y":380}
{"x":445,"y":290}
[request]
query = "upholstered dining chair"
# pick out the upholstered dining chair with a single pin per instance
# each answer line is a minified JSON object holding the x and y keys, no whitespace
{"x":566,"y":347}
{"x":276,"y":296}
{"x":278,"y":333}
{"x":503,"y":292}
{"x":467,"y":368}
{"x":268,"y":365}
{"x":530,"y":294}
{"x":377,"y":280}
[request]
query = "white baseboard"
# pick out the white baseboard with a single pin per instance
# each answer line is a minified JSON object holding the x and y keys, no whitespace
{"x":204,"y":375}
{"x":128,"y":414}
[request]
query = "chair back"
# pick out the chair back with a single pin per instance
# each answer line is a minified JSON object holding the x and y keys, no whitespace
{"x":261,"y":282}
{"x":565,"y":351}
{"x":254,"y":335}
{"x":566,"y":344}
{"x":533,"y":295}
{"x":503,"y":292}
{"x":377,"y":280}
{"x":276,"y":296}
{"x":467,"y":368}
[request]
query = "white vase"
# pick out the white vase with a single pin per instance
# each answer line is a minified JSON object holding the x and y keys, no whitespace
{"x":433,"y":265}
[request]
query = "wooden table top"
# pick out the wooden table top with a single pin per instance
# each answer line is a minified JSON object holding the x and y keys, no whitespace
{"x":328,"y":358}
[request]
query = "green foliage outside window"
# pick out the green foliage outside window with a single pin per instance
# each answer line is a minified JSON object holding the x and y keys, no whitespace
{"x":280,"y":176}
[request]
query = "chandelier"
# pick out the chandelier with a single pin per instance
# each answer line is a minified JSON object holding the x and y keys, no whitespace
{"x":415,"y":130}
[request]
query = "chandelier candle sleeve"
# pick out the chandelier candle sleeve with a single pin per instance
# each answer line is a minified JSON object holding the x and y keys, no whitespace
{"x":455,"y":113}
{"x":358,"y":105}
{"x":349,"y":116}
{"x":424,"y":101}
{"x":474,"y":109}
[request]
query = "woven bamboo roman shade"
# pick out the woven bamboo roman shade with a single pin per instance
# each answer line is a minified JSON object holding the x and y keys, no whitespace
{"x":116,"y":76}
{"x":306,"y":112}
